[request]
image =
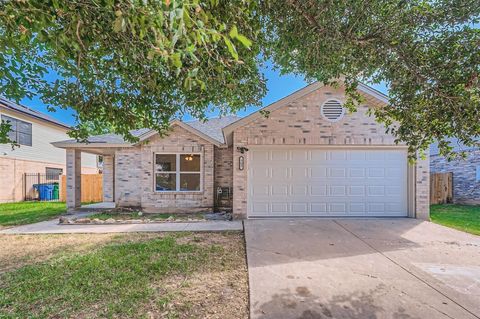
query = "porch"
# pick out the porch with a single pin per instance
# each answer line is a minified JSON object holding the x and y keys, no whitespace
{"x":74,"y":178}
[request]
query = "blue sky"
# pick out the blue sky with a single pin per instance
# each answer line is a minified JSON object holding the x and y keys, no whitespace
{"x":278,"y":86}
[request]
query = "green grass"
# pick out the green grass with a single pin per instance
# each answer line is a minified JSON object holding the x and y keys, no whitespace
{"x":29,"y":212}
{"x":461,"y":217}
{"x":116,"y":280}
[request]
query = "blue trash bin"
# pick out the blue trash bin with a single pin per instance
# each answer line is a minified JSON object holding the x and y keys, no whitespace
{"x":45,"y":191}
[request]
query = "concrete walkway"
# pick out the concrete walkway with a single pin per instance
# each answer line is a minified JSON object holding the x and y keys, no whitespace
{"x":361,"y":268}
{"x":52,"y":227}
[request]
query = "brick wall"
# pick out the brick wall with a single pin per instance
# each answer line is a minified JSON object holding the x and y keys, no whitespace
{"x":12,"y":171}
{"x":466,"y":189}
{"x":134,"y":183}
{"x":300,"y":123}
{"x":224,"y":173}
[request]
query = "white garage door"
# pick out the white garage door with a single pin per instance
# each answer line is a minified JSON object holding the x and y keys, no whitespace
{"x":327,"y":182}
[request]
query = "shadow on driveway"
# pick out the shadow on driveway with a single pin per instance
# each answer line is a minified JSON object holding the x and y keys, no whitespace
{"x":361,"y":268}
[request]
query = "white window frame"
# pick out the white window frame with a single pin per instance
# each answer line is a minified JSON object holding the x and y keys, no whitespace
{"x":177,"y":172}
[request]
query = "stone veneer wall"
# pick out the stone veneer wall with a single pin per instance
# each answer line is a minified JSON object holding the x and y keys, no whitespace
{"x":134,"y":182}
{"x":300,"y":123}
{"x":466,"y":189}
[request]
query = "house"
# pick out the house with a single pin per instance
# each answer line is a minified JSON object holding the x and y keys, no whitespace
{"x":465,"y":171}
{"x":34,"y":132}
{"x":303,"y":155}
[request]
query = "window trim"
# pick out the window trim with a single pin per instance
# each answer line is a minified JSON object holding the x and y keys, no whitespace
{"x":16,"y":131}
{"x":177,"y":172}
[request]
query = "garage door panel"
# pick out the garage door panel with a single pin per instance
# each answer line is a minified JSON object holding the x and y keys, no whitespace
{"x":338,"y":190}
{"x":318,"y":155}
{"x":318,"y":190}
{"x":356,"y":190}
{"x":318,"y":208}
{"x":337,"y":172}
{"x":337,"y":155}
{"x":318,"y":172}
{"x":319,"y":182}
{"x":357,"y":208}
{"x":299,"y":208}
{"x":299,"y":155}
{"x":280,"y":208}
{"x":357,"y":172}
{"x":299,"y":190}
{"x":299,"y":172}
{"x":280,"y":189}
{"x":279,"y":155}
{"x":279,"y":173}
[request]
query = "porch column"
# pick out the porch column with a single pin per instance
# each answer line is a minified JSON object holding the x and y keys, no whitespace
{"x":74,"y":179}
{"x":107,"y":178}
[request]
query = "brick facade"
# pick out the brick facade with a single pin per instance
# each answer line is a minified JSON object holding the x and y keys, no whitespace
{"x":466,"y":189}
{"x":224,"y":174}
{"x":134,"y":176}
{"x":300,"y":123}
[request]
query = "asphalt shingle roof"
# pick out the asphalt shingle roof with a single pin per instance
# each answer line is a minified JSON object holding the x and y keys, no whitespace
{"x":28,"y":111}
{"x":212,"y":128}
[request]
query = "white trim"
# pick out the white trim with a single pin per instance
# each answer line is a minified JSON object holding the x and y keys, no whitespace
{"x":88,"y":145}
{"x":177,"y":173}
{"x":410,"y":184}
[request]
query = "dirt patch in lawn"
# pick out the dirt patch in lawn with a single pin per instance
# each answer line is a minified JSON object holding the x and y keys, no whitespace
{"x":20,"y":250}
{"x":211,"y":280}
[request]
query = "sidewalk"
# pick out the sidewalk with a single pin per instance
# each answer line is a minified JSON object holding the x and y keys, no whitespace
{"x":52,"y":227}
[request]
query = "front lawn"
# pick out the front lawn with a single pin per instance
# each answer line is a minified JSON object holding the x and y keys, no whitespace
{"x":462,"y":217}
{"x":29,"y":212}
{"x":147,"y":275}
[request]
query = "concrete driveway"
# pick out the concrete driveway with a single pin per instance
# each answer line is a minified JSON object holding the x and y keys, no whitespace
{"x":361,"y":268}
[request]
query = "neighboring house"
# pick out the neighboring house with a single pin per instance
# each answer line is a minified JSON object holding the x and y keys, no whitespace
{"x":466,"y":171}
{"x":308,"y":157}
{"x":34,"y":132}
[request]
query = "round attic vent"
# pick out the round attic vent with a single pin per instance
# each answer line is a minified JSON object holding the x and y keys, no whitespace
{"x":332,"y":110}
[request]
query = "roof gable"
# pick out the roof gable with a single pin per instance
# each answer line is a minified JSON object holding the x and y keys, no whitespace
{"x":373,"y":96}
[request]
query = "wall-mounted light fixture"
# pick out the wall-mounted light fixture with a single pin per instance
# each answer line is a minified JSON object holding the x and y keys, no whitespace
{"x":242,"y":149}
{"x":241,"y":163}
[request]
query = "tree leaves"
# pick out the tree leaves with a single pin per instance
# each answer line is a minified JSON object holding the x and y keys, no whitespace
{"x":426,"y":51}
{"x":131,"y":63}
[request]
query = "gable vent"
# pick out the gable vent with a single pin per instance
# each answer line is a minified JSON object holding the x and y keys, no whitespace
{"x":332,"y":110}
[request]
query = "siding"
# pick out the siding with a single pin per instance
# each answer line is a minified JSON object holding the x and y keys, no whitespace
{"x":43,"y":134}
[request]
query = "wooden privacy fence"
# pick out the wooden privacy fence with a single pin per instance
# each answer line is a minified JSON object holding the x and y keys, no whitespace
{"x":441,"y":188}
{"x":92,"y":188}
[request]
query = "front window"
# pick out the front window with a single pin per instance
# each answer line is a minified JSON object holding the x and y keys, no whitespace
{"x":177,"y":172}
